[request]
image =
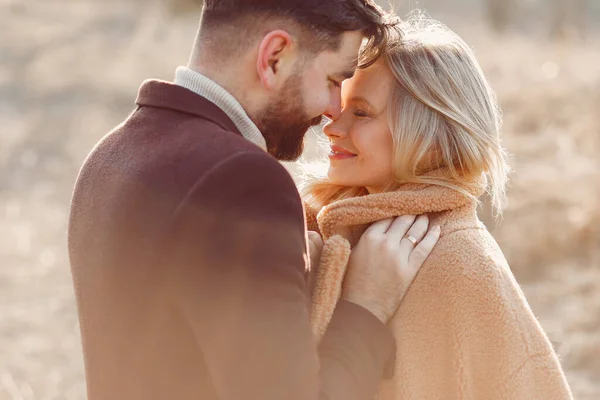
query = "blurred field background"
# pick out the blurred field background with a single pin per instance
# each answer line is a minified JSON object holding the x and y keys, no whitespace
{"x":70,"y":70}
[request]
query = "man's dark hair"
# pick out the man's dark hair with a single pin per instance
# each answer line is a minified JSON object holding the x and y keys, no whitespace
{"x":318,"y":24}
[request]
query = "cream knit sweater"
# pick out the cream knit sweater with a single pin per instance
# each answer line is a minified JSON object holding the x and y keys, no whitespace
{"x":464,"y":329}
{"x":212,"y":91}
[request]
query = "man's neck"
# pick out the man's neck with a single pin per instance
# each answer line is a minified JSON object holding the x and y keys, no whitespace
{"x":233,"y":81}
{"x":213,"y":91}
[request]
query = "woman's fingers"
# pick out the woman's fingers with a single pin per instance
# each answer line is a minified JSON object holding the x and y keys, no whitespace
{"x":415,"y":234}
{"x":379,"y":227}
{"x":315,"y":239}
{"x":399,"y":227}
{"x":315,"y":242}
{"x":315,"y":247}
{"x":424,"y":248}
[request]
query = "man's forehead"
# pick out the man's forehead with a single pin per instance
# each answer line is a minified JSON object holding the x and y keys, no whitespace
{"x":343,"y":61}
{"x":348,"y":53}
{"x":348,"y":48}
{"x":338,"y":60}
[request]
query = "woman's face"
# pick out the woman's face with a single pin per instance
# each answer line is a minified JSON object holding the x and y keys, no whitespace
{"x":361,"y":141}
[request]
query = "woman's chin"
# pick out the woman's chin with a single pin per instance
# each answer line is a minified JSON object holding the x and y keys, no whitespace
{"x":332,"y":175}
{"x":341,"y":178}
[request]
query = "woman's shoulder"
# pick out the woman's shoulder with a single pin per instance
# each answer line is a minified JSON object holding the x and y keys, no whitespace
{"x":472,"y":255}
{"x":467,"y":270}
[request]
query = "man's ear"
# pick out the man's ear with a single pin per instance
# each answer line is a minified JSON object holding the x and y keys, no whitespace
{"x":274,"y":55}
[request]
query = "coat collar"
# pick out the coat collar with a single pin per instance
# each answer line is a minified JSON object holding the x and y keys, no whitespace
{"x":341,"y":217}
{"x":167,"y":95}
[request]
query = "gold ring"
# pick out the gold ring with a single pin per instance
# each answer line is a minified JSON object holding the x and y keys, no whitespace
{"x":412,"y":239}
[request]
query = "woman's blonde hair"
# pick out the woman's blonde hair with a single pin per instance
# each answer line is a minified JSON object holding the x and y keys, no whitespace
{"x":442,"y":114}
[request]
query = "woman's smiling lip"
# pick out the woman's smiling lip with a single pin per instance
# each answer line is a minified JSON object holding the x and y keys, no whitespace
{"x":339,"y":153}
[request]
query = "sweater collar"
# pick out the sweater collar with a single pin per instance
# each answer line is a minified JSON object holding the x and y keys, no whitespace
{"x":212,"y":91}
{"x":410,"y":199}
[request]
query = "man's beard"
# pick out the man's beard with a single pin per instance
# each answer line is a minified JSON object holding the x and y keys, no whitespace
{"x":285,"y":122}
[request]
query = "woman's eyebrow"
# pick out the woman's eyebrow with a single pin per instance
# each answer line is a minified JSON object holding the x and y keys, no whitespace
{"x":359,"y":99}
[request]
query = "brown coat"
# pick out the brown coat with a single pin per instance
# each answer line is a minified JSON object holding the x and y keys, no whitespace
{"x":188,"y":246}
{"x":464,"y":329}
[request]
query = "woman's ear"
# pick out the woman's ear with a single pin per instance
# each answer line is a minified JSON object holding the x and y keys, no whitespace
{"x":274,"y":53}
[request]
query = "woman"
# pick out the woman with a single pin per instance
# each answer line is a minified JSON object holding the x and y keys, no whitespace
{"x":419,"y":133}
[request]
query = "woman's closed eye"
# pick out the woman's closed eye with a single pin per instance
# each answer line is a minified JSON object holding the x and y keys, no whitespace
{"x":360,"y":113}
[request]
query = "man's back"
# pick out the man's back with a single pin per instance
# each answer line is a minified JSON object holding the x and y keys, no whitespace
{"x":135,"y":341}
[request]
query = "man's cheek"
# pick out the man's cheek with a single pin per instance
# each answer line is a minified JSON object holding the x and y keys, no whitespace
{"x":317,"y":104}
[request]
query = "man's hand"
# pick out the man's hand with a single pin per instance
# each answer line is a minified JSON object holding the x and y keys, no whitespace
{"x":385,"y":261}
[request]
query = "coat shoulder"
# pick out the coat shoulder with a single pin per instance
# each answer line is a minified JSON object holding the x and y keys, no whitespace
{"x":468,"y":265}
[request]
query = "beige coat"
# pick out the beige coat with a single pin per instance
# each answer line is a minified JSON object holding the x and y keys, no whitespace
{"x":464,"y":329}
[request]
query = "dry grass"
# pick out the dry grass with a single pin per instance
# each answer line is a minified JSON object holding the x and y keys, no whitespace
{"x":69,"y":71}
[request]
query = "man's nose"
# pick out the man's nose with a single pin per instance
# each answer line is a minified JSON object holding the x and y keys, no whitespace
{"x":334,"y":109}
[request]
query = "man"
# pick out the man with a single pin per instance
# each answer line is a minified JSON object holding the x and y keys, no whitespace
{"x":187,"y":238}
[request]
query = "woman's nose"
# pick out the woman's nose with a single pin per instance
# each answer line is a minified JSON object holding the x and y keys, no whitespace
{"x":334,"y":129}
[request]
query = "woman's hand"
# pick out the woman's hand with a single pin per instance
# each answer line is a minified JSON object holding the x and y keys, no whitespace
{"x":315,"y":248}
{"x":385,"y":262}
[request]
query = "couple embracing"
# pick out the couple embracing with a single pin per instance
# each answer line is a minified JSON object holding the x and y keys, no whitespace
{"x":202,"y":272}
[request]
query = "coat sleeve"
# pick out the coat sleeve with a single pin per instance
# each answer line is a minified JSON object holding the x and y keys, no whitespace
{"x":500,"y":349}
{"x":239,"y":279}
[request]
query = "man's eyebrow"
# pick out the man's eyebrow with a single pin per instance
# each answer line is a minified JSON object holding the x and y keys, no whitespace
{"x":345,"y":74}
{"x":348,"y":70}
